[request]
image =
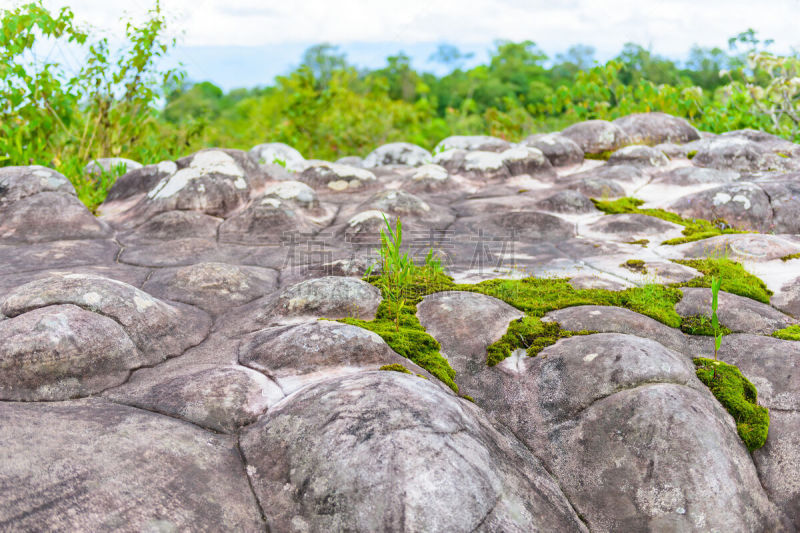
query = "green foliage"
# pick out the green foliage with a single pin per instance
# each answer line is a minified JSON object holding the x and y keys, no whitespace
{"x":396,"y":367}
{"x":789,"y":333}
{"x":733,"y":278}
{"x":790,"y":257}
{"x":738,"y":395}
{"x":695,"y":229}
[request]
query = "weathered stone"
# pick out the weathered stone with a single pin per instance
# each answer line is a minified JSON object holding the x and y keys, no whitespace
{"x":567,"y":202}
{"x":735,"y":153}
{"x":472,"y":142}
{"x":138,"y":181}
{"x":737,"y":313}
{"x":743,"y":205}
{"x":60,"y":352}
{"x":49,"y":216}
{"x":265,"y":220}
{"x":220,"y":398}
{"x":526,"y":225}
{"x":159,"y":330}
{"x":560,"y":150}
{"x":638,"y":156}
{"x":777,"y":463}
{"x":174,"y":225}
{"x":278,"y":154}
{"x":213,"y":287}
{"x":17,"y":183}
{"x":296,"y":192}
{"x":355,"y":443}
{"x":95,"y":466}
{"x":654,"y":128}
{"x":335,"y":177}
{"x":397,"y":154}
{"x":597,"y":136}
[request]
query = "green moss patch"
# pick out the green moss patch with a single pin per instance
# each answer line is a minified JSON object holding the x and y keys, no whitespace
{"x":690,"y":154}
{"x":410,"y":340}
{"x":791,"y":333}
{"x":735,"y":279}
{"x":530,"y":334}
{"x":695,"y":229}
{"x":635,"y":265}
{"x":602,"y":156}
{"x":790,"y":257}
{"x":396,"y":367}
{"x":739,"y":397}
{"x":701,"y":325}
{"x":640,"y":242}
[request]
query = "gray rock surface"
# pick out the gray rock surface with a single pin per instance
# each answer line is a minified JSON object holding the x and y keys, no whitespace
{"x":175,"y":362}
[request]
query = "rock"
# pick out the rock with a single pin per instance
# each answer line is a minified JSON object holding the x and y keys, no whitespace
{"x":770,"y":363}
{"x":606,"y":319}
{"x":597,"y":187}
{"x":220,"y":398}
{"x":178,"y":252}
{"x":559,"y":150}
{"x":743,"y":205}
{"x":783,"y":193}
{"x":296,"y":192}
{"x":639,"y":156}
{"x":567,"y":202}
{"x":17,"y":183}
{"x":212,"y":181}
{"x":673,"y":151}
{"x":633,"y":227}
{"x":95,"y":167}
{"x":472,"y":142}
{"x":266,"y":220}
{"x":329,"y":297}
{"x":159,"y":330}
{"x":336,"y":177}
{"x":429,"y":178}
{"x":597,"y":136}
{"x":173,"y":225}
{"x":278,"y":154}
{"x":57,"y":254}
{"x":213,"y":287}
{"x":137,"y":181}
{"x":740,"y":247}
{"x":526,"y":225}
{"x":686,"y":176}
{"x":356,"y":443}
{"x":737,"y":313}
{"x":60,"y":352}
{"x":495,"y":165}
{"x":351,"y":161}
{"x":397,"y":154}
{"x":398,"y":203}
{"x":24,"y":221}
{"x":295,"y":356}
{"x":654,"y":128}
{"x":95,"y":466}
{"x":735,"y":153}
{"x":777,"y":463}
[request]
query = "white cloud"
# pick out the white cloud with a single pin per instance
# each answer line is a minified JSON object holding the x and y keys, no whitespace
{"x":670,"y":26}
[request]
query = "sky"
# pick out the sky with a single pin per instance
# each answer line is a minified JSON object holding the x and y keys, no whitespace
{"x":238,"y":43}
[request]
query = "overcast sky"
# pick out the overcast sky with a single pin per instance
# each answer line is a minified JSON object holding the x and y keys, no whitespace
{"x":239,"y":42}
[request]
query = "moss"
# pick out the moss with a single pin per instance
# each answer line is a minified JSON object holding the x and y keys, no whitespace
{"x":790,"y":333}
{"x":410,"y":340}
{"x":739,"y":397}
{"x":640,"y":242}
{"x":790,"y":257}
{"x":690,"y":154}
{"x":636,"y":265}
{"x":396,"y":367}
{"x":695,"y":229}
{"x":602,"y":156}
{"x":735,"y":279}
{"x":468,"y":397}
{"x":530,"y":334}
{"x":701,"y":325}
{"x":781,"y":154}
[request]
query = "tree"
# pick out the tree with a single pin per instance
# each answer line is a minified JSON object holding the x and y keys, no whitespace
{"x":323,"y":60}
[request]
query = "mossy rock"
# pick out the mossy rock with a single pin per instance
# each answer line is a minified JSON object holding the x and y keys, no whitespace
{"x":790,"y":257}
{"x":790,"y":333}
{"x":701,"y":325}
{"x":396,"y":367}
{"x":530,"y":334}
{"x":739,"y":396}
{"x":635,"y":265}
{"x":695,"y":229}
{"x":735,"y":279}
